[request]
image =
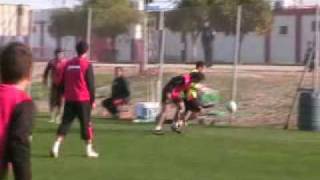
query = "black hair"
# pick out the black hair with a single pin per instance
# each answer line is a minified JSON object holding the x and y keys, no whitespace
{"x":15,"y":63}
{"x":199,"y":64}
{"x":118,"y":68}
{"x":57,"y":51}
{"x":82,"y":47}
{"x":197,"y":76}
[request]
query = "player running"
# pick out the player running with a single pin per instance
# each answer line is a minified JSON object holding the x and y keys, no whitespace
{"x":55,"y":67}
{"x":79,"y":92}
{"x":171,"y":93}
{"x":16,"y":111}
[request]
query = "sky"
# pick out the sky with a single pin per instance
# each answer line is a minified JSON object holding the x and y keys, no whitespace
{"x":44,"y":4}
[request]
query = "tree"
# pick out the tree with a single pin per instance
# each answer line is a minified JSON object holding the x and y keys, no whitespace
{"x":110,"y":19}
{"x":191,"y":16}
{"x":256,"y":17}
{"x":189,"y":19}
{"x":68,"y":22}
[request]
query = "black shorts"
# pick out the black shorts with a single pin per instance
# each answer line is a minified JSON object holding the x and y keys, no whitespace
{"x":55,"y":96}
{"x":193,"y":105}
{"x":80,"y":110}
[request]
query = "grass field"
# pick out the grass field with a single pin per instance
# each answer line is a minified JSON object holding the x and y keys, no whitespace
{"x":131,"y":152}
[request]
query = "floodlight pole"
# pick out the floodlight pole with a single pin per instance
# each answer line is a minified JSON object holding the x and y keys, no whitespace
{"x":89,"y":28}
{"x":162,"y":51}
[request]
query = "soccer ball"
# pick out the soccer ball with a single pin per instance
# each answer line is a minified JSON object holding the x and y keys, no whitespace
{"x":231,"y":106}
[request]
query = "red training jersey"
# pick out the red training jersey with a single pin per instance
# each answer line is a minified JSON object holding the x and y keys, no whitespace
{"x":10,"y":98}
{"x":78,"y":80}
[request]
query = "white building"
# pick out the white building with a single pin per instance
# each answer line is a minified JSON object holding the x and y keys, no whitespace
{"x":286,"y":43}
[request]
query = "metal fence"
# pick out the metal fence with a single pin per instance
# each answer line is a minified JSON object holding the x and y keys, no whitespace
{"x":286,"y":36}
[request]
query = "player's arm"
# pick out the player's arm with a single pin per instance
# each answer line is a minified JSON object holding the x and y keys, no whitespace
{"x":46,"y":73}
{"x":90,"y":83}
{"x":126,"y":89}
{"x":18,"y":140}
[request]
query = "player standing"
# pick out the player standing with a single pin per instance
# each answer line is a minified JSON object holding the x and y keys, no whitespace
{"x":16,"y":111}
{"x":55,"y":67}
{"x":79,"y":92}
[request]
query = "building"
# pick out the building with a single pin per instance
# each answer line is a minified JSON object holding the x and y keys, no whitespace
{"x":286,"y":43}
{"x":15,"y":23}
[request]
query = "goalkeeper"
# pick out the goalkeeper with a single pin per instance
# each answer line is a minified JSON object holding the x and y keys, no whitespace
{"x":192,"y":98}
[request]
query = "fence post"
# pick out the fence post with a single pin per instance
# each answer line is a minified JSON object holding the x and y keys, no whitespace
{"x":162,"y":51}
{"x":89,"y":29}
{"x":236,"y":58}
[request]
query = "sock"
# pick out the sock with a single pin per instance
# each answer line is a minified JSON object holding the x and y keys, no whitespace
{"x":52,"y":116}
{"x":89,"y":147}
{"x":158,"y":128}
{"x":56,"y":146}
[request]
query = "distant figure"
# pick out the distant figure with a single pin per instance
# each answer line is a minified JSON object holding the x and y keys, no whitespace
{"x":207,"y":38}
{"x":120,"y":93}
{"x":55,"y":69}
{"x":309,"y":56}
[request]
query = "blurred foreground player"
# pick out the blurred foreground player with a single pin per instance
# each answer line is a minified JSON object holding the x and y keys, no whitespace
{"x":79,"y":92}
{"x":120,"y":93}
{"x":16,"y":111}
{"x":55,"y":68}
{"x":172,"y":94}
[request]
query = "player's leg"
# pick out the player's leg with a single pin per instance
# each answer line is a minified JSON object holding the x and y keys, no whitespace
{"x":181,"y":108}
{"x":84,"y":114}
{"x":161,"y":118}
{"x":21,"y":168}
{"x":179,"y":116}
{"x":52,"y":99}
{"x":68,"y":116}
{"x":194,"y":108}
{"x":108,"y":104}
{"x":3,"y":170}
{"x":59,"y":106}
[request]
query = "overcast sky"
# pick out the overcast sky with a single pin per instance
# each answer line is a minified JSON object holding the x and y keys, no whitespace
{"x":44,"y":4}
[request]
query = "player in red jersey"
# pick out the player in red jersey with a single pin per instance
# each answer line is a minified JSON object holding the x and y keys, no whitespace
{"x":55,"y":68}
{"x":172,"y":93}
{"x":79,"y":93}
{"x":16,"y":111}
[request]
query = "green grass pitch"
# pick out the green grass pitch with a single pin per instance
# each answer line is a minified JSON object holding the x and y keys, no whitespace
{"x":131,"y":152}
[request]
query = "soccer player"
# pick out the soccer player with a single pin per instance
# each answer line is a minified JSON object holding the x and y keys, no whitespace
{"x":16,"y":111}
{"x":79,"y":93}
{"x":191,"y":99}
{"x":55,"y":67}
{"x":199,"y":67}
{"x":172,"y":94}
{"x":120,"y":93}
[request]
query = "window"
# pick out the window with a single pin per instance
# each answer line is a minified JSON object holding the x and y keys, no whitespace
{"x":313,"y":26}
{"x":283,"y":30}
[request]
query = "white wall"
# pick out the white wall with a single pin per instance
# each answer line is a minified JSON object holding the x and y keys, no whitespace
{"x":307,"y":34}
{"x":253,"y":49}
{"x":283,"y":46}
